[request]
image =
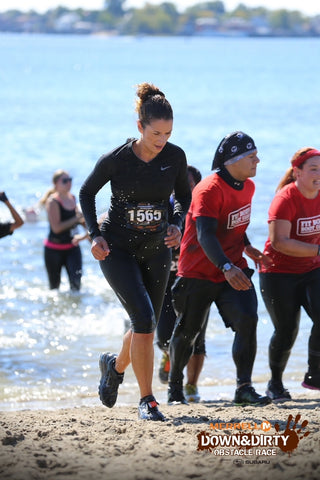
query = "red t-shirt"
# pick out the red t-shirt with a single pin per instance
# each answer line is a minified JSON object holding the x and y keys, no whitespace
{"x":304,"y":215}
{"x":213,"y":197}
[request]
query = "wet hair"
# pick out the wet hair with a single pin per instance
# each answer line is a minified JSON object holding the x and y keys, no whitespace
{"x":195,"y":173}
{"x":55,"y":178}
{"x":152,"y":104}
{"x":289,"y":176}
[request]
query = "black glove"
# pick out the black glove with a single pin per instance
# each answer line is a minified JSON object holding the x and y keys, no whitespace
{"x":3,"y":197}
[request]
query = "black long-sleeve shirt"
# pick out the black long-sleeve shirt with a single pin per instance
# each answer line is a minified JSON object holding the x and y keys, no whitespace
{"x":133,"y":182}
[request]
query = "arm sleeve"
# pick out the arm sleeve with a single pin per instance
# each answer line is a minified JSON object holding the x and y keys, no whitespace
{"x":206,"y":233}
{"x":100,"y":175}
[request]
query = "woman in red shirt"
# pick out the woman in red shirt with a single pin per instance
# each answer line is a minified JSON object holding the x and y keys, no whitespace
{"x":292,"y":280}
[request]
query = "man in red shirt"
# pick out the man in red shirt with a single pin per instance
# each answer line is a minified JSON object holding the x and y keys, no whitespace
{"x":212,"y":267}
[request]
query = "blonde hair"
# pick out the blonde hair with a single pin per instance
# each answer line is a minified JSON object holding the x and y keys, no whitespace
{"x":56,"y":176}
{"x":152,"y":104}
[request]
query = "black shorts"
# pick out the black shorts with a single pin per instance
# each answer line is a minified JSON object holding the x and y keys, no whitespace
{"x":193,"y":297}
{"x":137,"y":269}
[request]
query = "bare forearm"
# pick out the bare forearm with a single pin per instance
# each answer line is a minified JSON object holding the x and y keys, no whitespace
{"x":64,"y":225}
{"x":18,"y":221}
{"x":295,"y":248}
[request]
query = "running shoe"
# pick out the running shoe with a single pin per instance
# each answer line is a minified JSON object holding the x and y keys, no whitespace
{"x":246,"y":395}
{"x":311,"y":381}
{"x":277,"y":392}
{"x":175,"y":395}
{"x":191,"y":393}
{"x":110,"y":379}
{"x":148,"y":409}
{"x":164,"y":368}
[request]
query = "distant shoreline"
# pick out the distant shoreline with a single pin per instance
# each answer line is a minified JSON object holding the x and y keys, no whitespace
{"x":107,"y":34}
{"x":210,"y":19}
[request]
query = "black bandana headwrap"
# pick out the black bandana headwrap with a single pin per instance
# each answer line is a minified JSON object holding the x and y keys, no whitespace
{"x":232,"y":148}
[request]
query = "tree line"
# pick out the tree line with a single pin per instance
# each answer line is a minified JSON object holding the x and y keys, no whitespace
{"x":163,"y":19}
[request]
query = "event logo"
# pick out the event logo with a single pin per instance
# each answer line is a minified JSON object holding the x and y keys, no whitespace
{"x":242,"y":442}
{"x":292,"y":434}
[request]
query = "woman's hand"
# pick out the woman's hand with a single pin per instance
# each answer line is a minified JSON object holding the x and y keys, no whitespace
{"x":3,"y":197}
{"x":258,"y":257}
{"x":80,"y":219}
{"x":172,"y":240}
{"x":99,"y":248}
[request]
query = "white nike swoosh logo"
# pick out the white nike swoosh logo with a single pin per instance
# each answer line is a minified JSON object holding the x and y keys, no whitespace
{"x":164,"y":168}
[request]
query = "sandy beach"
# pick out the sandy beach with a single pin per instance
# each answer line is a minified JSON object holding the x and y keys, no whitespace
{"x":113,"y":444}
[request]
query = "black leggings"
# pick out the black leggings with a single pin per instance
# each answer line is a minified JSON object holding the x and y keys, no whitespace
{"x":238,"y":309}
{"x":284,"y":294}
{"x":71,"y":259}
{"x":139,"y":278}
{"x":168,"y":319}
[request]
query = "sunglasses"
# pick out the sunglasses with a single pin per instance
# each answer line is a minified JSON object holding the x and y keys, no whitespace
{"x":66,"y":180}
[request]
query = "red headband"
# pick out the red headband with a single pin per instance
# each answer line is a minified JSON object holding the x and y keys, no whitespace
{"x":304,"y":157}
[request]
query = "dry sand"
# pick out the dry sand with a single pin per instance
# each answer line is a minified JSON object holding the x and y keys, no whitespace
{"x":93,"y":443}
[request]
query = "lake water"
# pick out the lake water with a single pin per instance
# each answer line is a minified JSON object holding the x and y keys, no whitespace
{"x":65,"y":100}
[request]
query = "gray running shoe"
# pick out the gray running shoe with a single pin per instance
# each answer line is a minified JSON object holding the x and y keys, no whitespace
{"x":148,"y":409}
{"x":277,"y":392}
{"x":246,"y":395}
{"x":110,"y":379}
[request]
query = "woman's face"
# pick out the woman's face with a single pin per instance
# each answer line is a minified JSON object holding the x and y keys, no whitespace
{"x":155,"y":135}
{"x":64,"y":183}
{"x":308,"y":177}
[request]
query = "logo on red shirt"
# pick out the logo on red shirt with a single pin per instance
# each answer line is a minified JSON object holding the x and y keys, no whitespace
{"x":239,"y":217}
{"x":308,"y":226}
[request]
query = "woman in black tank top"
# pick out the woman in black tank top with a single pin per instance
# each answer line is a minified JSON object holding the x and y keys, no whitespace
{"x":61,"y":248}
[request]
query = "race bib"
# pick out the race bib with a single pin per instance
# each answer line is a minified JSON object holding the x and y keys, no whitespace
{"x":174,"y":261}
{"x":145,"y":216}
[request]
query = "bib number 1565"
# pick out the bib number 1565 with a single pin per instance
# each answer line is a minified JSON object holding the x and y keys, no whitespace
{"x":144,"y":216}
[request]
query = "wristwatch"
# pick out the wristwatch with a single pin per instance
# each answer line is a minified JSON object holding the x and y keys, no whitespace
{"x":226,"y":267}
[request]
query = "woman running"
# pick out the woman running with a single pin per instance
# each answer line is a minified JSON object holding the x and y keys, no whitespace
{"x":134,"y":242}
{"x":292,"y":280}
